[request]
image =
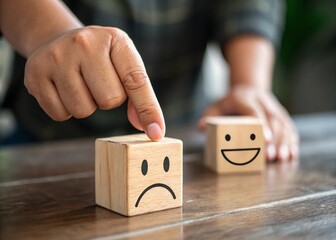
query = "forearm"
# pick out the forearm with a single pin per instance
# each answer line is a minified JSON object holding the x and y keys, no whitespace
{"x":250,"y":60}
{"x":28,"y":24}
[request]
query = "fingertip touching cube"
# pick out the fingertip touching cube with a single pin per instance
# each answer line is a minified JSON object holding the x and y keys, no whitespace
{"x":135,"y":175}
{"x":234,"y":144}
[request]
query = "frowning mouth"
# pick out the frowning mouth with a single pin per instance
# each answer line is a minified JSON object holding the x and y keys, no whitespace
{"x":228,"y":154}
{"x":154,"y":186}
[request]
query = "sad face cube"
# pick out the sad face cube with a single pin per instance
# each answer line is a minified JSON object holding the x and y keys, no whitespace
{"x":234,"y":144}
{"x":135,"y":175}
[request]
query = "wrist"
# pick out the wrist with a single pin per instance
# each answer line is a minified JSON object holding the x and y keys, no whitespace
{"x":259,"y":84}
{"x":250,"y":86}
{"x":35,"y":42}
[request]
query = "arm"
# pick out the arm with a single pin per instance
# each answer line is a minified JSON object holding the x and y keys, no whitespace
{"x":250,"y":59}
{"x":71,"y":70}
{"x":29,"y":24}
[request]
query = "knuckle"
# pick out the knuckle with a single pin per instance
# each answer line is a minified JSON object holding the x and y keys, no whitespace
{"x":48,"y":105}
{"x":274,"y":119}
{"x":119,"y":35}
{"x":57,"y":116}
{"x":68,"y":88}
{"x":60,"y":117}
{"x":112,"y":102}
{"x":55,"y":54}
{"x":84,"y":112}
{"x":82,"y":38}
{"x":135,"y":79}
{"x":146,"y":111}
{"x":29,"y":86}
{"x":120,"y":40}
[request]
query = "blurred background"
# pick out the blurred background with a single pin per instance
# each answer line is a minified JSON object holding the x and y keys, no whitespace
{"x":305,"y":72}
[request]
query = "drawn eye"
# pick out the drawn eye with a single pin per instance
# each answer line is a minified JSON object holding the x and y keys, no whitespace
{"x":166,"y":164}
{"x":227,"y":137}
{"x":252,"y":136}
{"x":144,"y":167}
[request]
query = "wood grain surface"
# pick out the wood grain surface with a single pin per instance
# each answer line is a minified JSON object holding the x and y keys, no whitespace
{"x":47,"y":192}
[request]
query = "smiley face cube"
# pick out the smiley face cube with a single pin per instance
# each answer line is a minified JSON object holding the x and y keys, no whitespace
{"x":135,"y":175}
{"x":234,"y":144}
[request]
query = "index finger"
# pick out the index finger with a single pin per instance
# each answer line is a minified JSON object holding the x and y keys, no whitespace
{"x":132,"y":74}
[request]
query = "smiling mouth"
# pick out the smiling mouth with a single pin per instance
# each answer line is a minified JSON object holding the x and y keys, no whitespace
{"x":154,"y":186}
{"x":227,"y":151}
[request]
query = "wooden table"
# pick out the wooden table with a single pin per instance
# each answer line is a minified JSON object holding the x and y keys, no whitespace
{"x":47,"y":192}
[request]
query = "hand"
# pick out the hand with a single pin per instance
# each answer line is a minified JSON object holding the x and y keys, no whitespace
{"x":279,"y":130}
{"x":93,"y":67}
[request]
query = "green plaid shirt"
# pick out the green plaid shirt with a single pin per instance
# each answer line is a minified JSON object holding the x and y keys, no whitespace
{"x":171,"y":36}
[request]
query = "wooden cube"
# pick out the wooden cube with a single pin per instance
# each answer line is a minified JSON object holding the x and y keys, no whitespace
{"x":135,"y":175}
{"x":234,"y":144}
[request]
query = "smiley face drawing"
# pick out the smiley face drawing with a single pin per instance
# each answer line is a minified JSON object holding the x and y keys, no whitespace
{"x":234,"y":156}
{"x":144,"y":170}
{"x":234,"y":144}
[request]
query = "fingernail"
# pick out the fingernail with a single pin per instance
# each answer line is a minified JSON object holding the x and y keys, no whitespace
{"x":284,"y":152}
{"x":271,"y":152}
{"x":154,"y":131}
